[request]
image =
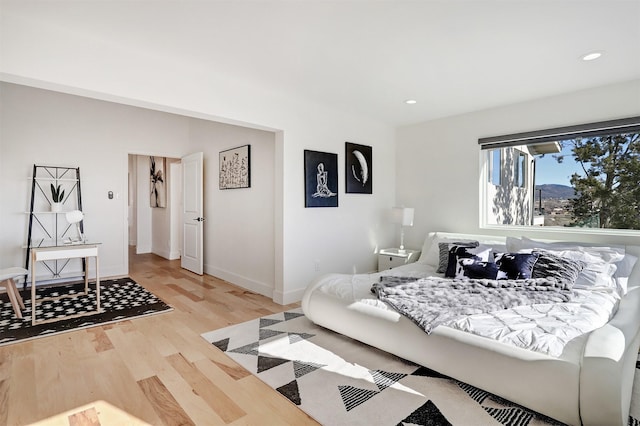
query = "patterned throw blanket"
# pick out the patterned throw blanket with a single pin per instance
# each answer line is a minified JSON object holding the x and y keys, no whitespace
{"x":430,"y":302}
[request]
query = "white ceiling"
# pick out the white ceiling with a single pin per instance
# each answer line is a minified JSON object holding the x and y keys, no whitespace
{"x":452,"y":56}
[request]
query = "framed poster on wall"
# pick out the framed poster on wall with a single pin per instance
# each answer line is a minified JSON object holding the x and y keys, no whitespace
{"x":358,"y":169}
{"x":235,"y":168}
{"x":320,"y":179}
{"x":158,"y":185}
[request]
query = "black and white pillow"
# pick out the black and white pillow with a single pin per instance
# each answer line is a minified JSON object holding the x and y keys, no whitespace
{"x":515,"y":266}
{"x":444,"y":247}
{"x":480,"y":253}
{"x":475,"y":269}
{"x":564,"y":270}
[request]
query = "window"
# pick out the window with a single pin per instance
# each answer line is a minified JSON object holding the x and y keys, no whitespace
{"x":580,"y":176}
{"x":520,"y":172}
{"x":495,"y":169}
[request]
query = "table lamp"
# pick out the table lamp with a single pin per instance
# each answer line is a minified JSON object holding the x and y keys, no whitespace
{"x":75,"y":217}
{"x":403,"y":216}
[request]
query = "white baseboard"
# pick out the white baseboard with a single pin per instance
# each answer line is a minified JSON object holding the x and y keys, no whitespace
{"x":107,"y":273}
{"x":143,"y":249}
{"x":289,"y":297}
{"x":169,"y":255}
{"x":244,"y":282}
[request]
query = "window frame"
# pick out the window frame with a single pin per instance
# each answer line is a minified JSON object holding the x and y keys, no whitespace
{"x":624,"y":125}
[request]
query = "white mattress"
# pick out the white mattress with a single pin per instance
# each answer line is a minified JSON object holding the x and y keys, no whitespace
{"x":543,"y":328}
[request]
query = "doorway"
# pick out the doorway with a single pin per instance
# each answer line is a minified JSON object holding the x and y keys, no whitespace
{"x":154,"y":207}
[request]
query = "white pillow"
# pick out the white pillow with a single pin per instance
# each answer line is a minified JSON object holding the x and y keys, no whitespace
{"x":609,"y":254}
{"x":429,"y":242}
{"x":623,"y":270}
{"x":625,"y":266}
{"x":515,"y":245}
{"x":431,"y":252}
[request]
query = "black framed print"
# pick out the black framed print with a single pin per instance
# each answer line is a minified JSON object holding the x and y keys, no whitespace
{"x":358,"y":169}
{"x":157,"y":166}
{"x":320,"y":179}
{"x":235,"y":168}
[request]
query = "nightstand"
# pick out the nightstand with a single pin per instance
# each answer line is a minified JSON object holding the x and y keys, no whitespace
{"x":393,"y":257}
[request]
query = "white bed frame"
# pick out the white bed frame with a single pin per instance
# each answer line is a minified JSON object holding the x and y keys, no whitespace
{"x":590,"y":383}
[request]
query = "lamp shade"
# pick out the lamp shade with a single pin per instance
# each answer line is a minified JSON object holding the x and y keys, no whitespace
{"x":402,"y":216}
{"x":74,"y":216}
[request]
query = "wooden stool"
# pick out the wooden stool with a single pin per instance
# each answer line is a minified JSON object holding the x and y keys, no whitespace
{"x":7,"y":276}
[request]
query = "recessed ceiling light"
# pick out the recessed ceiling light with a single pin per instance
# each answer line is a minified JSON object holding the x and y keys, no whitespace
{"x":591,"y":56}
{"x":410,"y":101}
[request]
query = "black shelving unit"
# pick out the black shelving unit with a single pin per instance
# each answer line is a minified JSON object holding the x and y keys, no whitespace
{"x":46,"y":227}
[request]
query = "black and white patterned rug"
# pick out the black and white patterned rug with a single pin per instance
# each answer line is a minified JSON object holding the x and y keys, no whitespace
{"x":120,"y":299}
{"x":337,"y":380}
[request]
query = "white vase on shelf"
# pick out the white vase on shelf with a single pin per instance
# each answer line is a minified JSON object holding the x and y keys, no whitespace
{"x":56,"y":207}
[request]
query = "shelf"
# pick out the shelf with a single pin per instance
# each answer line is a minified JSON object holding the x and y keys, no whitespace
{"x":50,"y":179}
{"x":46,"y":228}
{"x":49,"y":212}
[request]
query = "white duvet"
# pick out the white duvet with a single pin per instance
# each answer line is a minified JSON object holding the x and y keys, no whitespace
{"x":544,"y":328}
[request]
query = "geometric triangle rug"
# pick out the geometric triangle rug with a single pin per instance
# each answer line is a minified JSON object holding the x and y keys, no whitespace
{"x":120,"y":299}
{"x":339,"y":381}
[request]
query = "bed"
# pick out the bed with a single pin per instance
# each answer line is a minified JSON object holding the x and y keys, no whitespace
{"x":573,"y":360}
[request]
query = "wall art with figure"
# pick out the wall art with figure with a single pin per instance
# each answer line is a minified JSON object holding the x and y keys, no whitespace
{"x":320,"y":179}
{"x":235,"y":168}
{"x":158,"y":181}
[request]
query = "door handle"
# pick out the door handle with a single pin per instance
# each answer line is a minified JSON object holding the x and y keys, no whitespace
{"x":199,"y":219}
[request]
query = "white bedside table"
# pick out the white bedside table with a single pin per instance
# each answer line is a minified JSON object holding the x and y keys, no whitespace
{"x":393,"y":257}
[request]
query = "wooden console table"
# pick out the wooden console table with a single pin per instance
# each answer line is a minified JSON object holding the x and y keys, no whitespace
{"x":67,"y":251}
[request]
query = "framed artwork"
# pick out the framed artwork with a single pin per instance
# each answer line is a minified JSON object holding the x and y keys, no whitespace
{"x":358,"y":169}
{"x":158,"y":184}
{"x":320,"y":179}
{"x":235,"y":168}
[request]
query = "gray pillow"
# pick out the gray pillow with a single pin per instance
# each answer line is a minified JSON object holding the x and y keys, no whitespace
{"x":564,"y":270}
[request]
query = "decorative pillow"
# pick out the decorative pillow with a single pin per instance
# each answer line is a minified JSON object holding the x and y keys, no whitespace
{"x":444,"y":248}
{"x":515,"y":266}
{"x":564,"y":270}
{"x":481,"y":253}
{"x":596,"y":273}
{"x":475,"y":269}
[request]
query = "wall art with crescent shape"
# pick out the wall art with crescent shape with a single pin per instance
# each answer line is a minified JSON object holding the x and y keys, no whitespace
{"x":358,"y":169}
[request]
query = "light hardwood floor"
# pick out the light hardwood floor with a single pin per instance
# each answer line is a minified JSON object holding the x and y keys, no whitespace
{"x":155,"y":370}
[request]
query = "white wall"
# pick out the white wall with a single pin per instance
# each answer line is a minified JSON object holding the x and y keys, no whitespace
{"x":162,"y":218}
{"x":46,"y":55}
{"x":438,"y":162}
{"x":144,"y":212}
{"x":239,"y":226}
{"x":46,"y":127}
{"x":132,"y":214}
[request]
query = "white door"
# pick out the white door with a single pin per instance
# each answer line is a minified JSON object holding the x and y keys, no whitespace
{"x":192,"y":220}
